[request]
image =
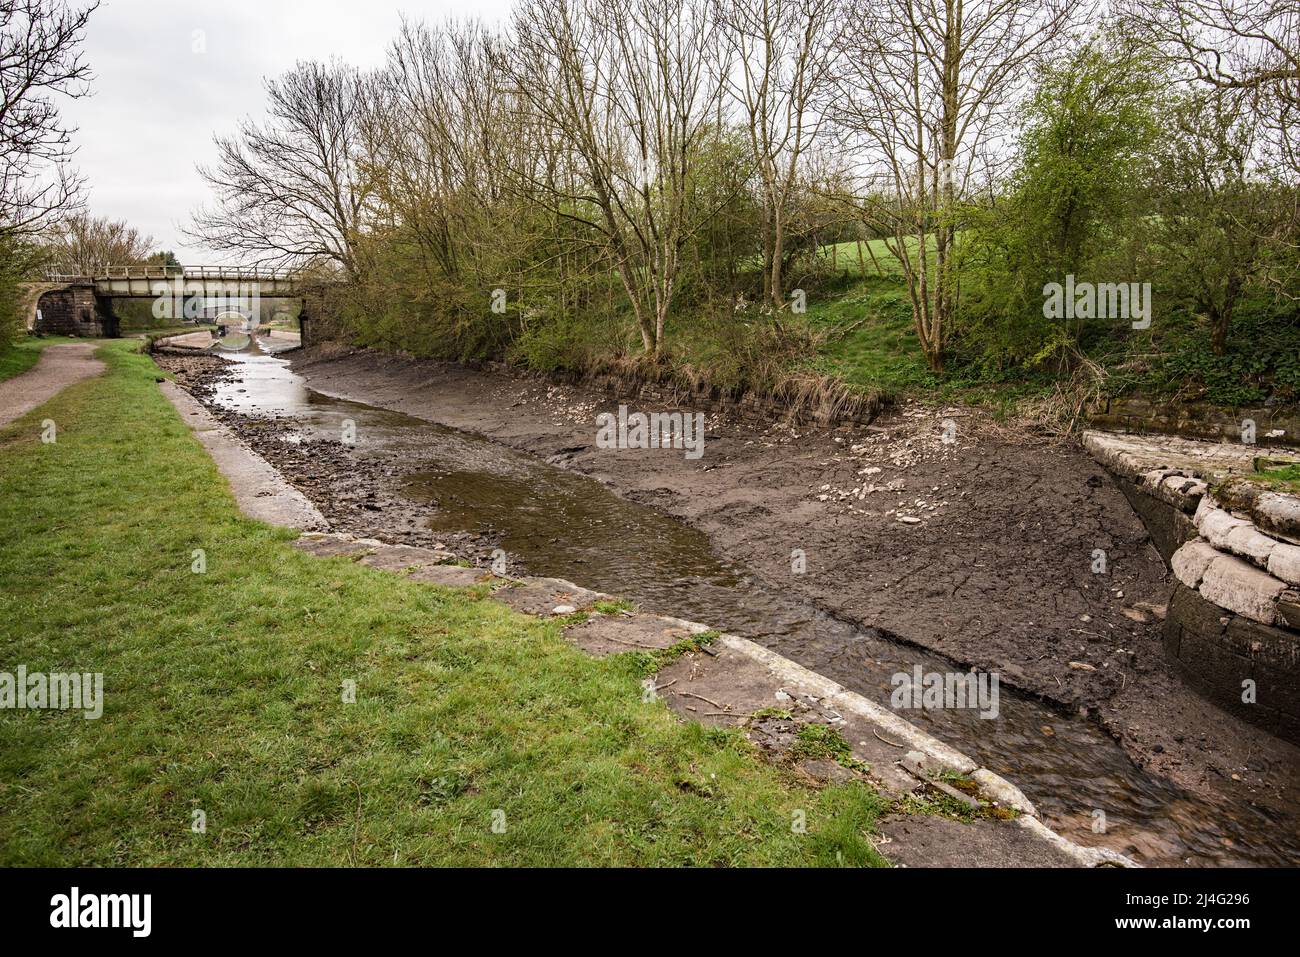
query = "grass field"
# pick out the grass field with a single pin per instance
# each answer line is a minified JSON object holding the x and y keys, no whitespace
{"x":866,"y":259}
{"x":223,"y":692}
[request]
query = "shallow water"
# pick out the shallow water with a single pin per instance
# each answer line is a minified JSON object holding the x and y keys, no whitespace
{"x":566,"y":525}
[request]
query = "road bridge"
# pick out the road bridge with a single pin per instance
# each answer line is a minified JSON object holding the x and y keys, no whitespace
{"x":81,"y":304}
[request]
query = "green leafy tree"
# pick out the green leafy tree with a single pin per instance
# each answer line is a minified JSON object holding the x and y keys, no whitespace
{"x":1074,"y":203}
{"x":1222,"y":217}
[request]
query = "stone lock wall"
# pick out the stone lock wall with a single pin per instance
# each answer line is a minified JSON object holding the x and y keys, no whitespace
{"x":1217,"y":652}
{"x":1233,"y":626}
{"x":1274,"y":426}
{"x":1235,"y":618}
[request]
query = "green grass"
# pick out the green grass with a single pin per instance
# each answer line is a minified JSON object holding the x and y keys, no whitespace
{"x":855,"y":258}
{"x":1283,"y":478}
{"x":20,"y":355}
{"x":223,"y":692}
{"x":871,"y":340}
{"x":870,"y":343}
{"x":823,"y":741}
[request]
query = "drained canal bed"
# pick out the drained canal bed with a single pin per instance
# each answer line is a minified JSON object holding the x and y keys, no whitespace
{"x":405,"y":479}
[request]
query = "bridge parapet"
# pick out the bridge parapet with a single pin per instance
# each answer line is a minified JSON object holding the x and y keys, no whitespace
{"x":152,"y":282}
{"x":81,"y":303}
{"x":224,"y":273}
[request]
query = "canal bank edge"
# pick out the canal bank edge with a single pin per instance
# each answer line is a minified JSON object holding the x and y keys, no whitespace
{"x":263,"y":494}
{"x":260,"y":491}
{"x":1234,"y":551}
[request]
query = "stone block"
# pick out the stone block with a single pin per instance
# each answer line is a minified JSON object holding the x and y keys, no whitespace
{"x":1284,"y":563}
{"x":1232,"y":583}
{"x":1248,"y":542}
{"x":396,"y":558}
{"x":1196,"y":615}
{"x":1288,"y":610}
{"x":450,"y":576}
{"x":542,"y":596}
{"x":1182,"y":492}
{"x":331,"y":545}
{"x":1215,"y":525}
{"x":1216,"y":671}
{"x":614,"y":634}
{"x":1263,"y":644}
{"x":1279,"y":513}
{"x":1191,"y":560}
{"x":1171,"y":637}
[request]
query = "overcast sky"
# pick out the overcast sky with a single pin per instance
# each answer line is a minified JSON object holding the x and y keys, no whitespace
{"x":171,"y":73}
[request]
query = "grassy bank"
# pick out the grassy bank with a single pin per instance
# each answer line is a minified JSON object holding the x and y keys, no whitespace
{"x":223,"y":692}
{"x":856,"y":339}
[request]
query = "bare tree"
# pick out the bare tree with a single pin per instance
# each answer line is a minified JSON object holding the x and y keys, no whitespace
{"x":926,"y":94}
{"x":40,"y":60}
{"x":85,"y":245}
{"x":629,"y":89}
{"x":442,"y":138}
{"x":290,"y":192}
{"x":1228,"y":44}
{"x":1247,"y":54}
{"x":783,"y":53}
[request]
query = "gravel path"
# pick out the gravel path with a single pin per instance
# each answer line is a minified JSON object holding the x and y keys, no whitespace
{"x":59,"y":367}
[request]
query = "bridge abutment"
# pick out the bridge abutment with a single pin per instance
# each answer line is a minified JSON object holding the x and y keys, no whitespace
{"x":75,"y":311}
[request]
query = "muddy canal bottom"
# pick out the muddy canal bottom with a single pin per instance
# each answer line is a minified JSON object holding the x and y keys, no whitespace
{"x":412,"y":480}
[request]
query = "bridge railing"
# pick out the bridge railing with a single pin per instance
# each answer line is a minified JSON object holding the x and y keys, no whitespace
{"x":223,"y":273}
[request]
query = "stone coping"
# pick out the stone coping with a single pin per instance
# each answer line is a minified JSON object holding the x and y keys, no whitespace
{"x":1238,"y":567}
{"x":1181,"y":471}
{"x":259,"y":489}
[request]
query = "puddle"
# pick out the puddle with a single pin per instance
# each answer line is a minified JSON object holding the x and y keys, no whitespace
{"x":563,"y":524}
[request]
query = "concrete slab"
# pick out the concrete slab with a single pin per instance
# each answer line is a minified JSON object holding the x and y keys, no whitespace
{"x":453,"y":576}
{"x":331,"y":546}
{"x":602,"y":635}
{"x":727,"y":687}
{"x":396,"y":558}
{"x":920,"y":840}
{"x":542,"y":596}
{"x":259,"y":490}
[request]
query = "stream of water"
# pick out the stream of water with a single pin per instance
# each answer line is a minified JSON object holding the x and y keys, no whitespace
{"x":566,"y":525}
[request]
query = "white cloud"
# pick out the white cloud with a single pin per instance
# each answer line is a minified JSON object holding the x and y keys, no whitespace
{"x":169,"y":74}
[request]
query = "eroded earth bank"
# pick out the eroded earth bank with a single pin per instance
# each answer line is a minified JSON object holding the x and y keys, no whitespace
{"x":982,"y":551}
